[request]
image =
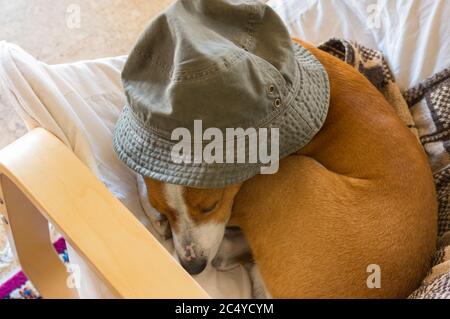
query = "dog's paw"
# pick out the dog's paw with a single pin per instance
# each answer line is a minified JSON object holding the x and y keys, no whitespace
{"x":161,"y":225}
{"x":159,"y":222}
{"x":233,"y":250}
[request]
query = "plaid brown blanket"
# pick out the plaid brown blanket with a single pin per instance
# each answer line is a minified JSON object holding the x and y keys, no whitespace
{"x":425,"y":110}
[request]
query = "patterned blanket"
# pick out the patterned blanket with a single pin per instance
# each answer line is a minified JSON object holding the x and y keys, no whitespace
{"x":425,"y":110}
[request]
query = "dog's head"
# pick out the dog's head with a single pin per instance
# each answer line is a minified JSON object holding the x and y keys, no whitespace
{"x":197,"y":217}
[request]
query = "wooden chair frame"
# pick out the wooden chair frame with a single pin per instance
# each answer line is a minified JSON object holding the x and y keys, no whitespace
{"x":42,"y":181}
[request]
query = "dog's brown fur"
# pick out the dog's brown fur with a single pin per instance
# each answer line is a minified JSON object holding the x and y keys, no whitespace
{"x":360,"y":193}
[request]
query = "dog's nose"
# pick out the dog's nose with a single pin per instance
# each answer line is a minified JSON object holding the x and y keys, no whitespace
{"x":194,"y":266}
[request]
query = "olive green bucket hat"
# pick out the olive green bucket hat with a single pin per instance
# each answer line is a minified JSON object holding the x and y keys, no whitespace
{"x":229,"y":64}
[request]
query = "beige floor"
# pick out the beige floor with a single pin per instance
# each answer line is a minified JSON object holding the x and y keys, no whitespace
{"x":49,"y":30}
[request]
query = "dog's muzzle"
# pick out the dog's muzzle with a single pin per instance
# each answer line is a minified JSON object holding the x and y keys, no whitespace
{"x":192,"y":260}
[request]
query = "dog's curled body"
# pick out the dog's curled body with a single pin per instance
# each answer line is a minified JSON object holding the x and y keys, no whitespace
{"x":360,"y":193}
{"x":351,"y":214}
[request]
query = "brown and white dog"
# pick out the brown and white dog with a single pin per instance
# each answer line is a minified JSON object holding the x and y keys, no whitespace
{"x":360,"y":193}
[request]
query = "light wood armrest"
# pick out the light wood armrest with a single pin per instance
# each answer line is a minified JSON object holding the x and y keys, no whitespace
{"x":41,"y":180}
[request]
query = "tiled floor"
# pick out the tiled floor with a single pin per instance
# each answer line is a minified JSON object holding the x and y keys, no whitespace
{"x":64,"y":31}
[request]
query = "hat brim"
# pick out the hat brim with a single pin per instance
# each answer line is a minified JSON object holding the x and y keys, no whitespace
{"x":149,"y":154}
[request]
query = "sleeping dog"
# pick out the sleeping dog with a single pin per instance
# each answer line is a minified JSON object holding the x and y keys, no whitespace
{"x":359,"y":194}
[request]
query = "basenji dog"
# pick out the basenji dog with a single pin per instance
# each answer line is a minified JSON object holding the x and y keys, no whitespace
{"x":357,"y":201}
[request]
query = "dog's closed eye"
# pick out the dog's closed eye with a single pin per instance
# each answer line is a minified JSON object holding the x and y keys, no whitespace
{"x":209,"y":209}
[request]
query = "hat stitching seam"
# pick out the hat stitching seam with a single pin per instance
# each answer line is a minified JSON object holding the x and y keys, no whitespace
{"x":182,"y":174}
{"x":154,"y":60}
{"x":204,"y":73}
{"x":123,"y":151}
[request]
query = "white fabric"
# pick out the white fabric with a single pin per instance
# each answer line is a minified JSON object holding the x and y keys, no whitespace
{"x":414,"y":35}
{"x":80,"y":103}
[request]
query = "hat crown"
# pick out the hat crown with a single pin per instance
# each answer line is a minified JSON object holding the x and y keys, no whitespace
{"x":222,"y":61}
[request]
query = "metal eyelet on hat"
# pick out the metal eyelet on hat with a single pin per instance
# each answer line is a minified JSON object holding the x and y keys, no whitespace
{"x":271,"y":89}
{"x":277,"y":102}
